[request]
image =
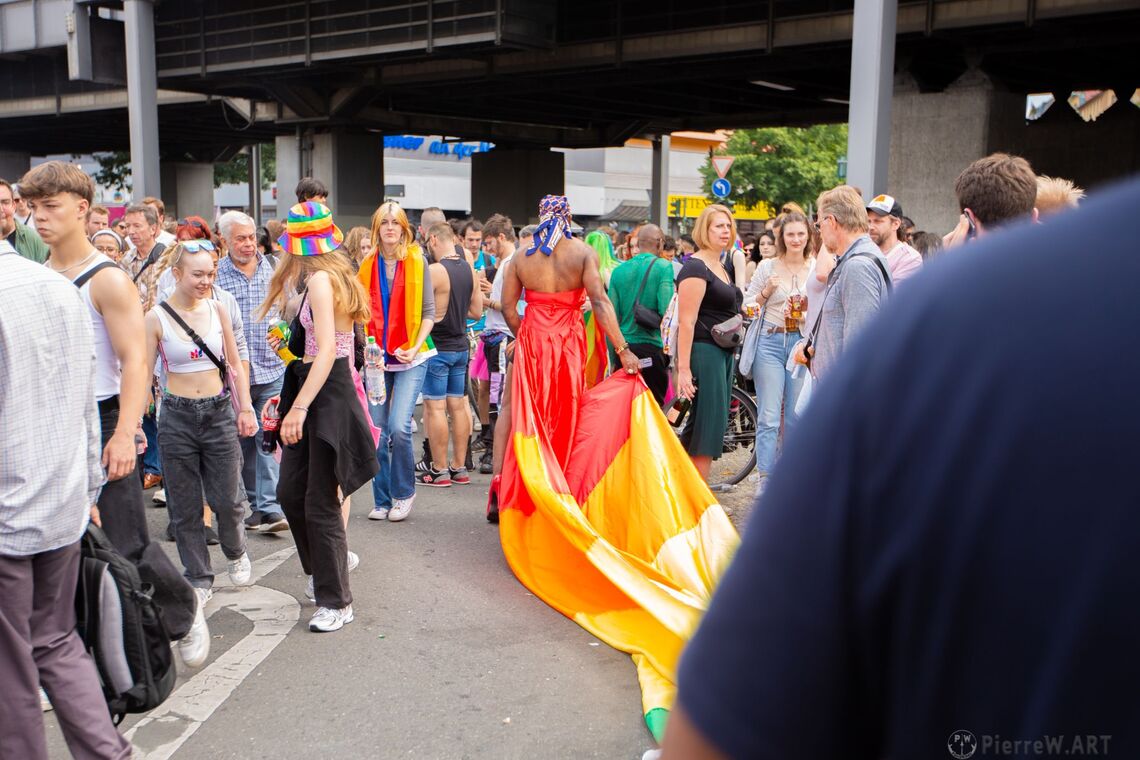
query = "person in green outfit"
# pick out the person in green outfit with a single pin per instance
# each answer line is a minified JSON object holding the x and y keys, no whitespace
{"x":21,"y":237}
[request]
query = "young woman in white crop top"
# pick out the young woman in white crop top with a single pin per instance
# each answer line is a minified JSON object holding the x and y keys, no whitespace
{"x":197,"y":431}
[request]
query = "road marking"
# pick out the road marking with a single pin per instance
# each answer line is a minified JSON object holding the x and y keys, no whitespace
{"x":166,"y":728}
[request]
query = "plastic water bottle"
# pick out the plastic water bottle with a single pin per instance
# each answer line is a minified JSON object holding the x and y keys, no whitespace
{"x":374,"y":373}
{"x":270,"y":423}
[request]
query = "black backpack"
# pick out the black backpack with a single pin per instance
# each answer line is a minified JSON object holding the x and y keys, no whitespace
{"x":121,"y":629}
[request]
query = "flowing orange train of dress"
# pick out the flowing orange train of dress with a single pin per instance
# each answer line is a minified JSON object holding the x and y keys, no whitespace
{"x":602,"y":514}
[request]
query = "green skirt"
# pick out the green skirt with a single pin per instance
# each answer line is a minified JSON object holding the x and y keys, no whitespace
{"x":712,"y":368}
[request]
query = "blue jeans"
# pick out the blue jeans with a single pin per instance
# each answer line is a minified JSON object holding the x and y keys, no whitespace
{"x":776,"y":390}
{"x":260,"y":471}
{"x":396,"y":479}
{"x":152,"y":462}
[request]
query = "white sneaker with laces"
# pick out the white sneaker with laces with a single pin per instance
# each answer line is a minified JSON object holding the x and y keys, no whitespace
{"x":195,"y":645}
{"x":159,"y":496}
{"x":310,"y":589}
{"x":401,"y":508}
{"x":45,"y":703}
{"x":327,"y":620}
{"x":240,"y":570}
{"x":378,"y":513}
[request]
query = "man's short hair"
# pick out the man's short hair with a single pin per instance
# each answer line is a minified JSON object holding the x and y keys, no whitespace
{"x":472,"y":224}
{"x":669,"y":245}
{"x":1057,"y":194}
{"x":227,"y":221}
{"x":431,"y":215}
{"x":309,"y":188}
{"x":997,"y":188}
{"x":499,"y":225}
{"x":54,"y":177}
{"x":148,"y":213}
{"x":689,"y":240}
{"x":846,"y":205}
{"x":159,"y":206}
{"x":528,"y":231}
{"x":100,"y":210}
{"x":456,"y":226}
{"x":443,"y":231}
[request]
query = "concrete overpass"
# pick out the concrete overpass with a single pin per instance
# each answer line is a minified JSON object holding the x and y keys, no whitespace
{"x":327,"y":79}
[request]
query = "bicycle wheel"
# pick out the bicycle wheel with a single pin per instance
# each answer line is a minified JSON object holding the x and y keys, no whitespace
{"x":739,"y":456}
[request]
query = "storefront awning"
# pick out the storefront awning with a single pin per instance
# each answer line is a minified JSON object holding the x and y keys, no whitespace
{"x":627,"y":211}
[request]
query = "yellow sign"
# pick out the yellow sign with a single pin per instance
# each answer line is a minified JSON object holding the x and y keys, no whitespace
{"x":691,"y":206}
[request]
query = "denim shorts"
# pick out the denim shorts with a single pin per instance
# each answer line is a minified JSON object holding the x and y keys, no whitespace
{"x":446,"y":375}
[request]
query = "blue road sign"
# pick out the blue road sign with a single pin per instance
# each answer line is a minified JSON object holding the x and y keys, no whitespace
{"x":721,"y":187}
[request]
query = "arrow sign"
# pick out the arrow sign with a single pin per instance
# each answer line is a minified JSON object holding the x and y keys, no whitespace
{"x":722,"y":164}
{"x":721,"y":187}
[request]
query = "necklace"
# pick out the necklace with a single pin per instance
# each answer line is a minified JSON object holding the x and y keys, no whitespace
{"x":74,"y":266}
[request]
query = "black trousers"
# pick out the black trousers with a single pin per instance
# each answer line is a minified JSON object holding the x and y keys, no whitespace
{"x":656,"y":375}
{"x":123,"y":513}
{"x":306,"y":491}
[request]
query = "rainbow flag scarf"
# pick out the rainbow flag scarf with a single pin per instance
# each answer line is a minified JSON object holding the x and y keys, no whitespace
{"x":397,"y":306}
{"x":602,"y":514}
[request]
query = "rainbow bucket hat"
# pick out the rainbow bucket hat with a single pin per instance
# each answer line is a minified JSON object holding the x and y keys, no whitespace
{"x":309,"y":230}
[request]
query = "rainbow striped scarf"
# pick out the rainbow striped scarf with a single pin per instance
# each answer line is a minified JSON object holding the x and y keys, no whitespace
{"x":397,"y":306}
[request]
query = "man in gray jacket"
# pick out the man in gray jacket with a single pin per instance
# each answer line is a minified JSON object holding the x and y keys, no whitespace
{"x":856,"y":287}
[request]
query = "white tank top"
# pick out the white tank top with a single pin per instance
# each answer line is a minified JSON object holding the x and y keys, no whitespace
{"x":108,"y":370}
{"x":181,"y":354}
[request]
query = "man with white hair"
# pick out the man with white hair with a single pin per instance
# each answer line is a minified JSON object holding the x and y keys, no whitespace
{"x":245,"y":274}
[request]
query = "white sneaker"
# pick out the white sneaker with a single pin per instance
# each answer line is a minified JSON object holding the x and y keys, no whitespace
{"x":45,"y":703}
{"x":379,"y":513}
{"x":401,"y":508}
{"x":240,"y":570}
{"x":353,"y":563}
{"x":159,"y":496}
{"x":195,"y":645}
{"x":327,"y":620}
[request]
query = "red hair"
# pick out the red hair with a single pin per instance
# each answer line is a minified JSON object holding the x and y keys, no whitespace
{"x":193,"y":228}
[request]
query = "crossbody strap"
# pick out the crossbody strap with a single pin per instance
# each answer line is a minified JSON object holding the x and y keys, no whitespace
{"x":644,"y":279}
{"x":82,"y":279}
{"x":196,"y":338}
{"x":882,"y":270}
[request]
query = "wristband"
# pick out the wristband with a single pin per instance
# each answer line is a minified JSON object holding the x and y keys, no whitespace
{"x":622,"y":349}
{"x":304,"y":409}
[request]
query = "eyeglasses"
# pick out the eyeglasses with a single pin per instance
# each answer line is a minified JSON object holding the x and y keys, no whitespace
{"x":197,"y":245}
{"x":191,"y":223}
{"x":820,"y":220}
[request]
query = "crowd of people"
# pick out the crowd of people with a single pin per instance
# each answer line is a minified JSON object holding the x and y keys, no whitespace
{"x":179,"y":317}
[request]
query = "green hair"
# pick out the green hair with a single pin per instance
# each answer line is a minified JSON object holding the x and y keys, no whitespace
{"x":601,"y":243}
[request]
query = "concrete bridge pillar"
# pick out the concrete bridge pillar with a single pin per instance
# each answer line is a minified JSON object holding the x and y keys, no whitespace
{"x":187,"y":189}
{"x":14,"y":164}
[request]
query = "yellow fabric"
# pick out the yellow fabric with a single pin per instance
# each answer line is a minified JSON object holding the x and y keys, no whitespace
{"x":637,"y":561}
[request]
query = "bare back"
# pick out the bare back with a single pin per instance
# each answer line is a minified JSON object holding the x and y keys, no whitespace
{"x":563,"y":270}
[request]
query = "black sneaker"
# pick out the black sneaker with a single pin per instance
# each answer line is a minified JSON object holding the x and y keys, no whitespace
{"x":274,"y":522}
{"x":422,"y":466}
{"x":487,"y":463}
{"x":467,"y":463}
{"x":212,"y":536}
{"x":434,"y":479}
{"x":253,"y":522}
{"x":170,"y":531}
{"x":461,"y":477}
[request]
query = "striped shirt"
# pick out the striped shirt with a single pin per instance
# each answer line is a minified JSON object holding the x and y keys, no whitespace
{"x":50,"y":471}
{"x":265,"y":365}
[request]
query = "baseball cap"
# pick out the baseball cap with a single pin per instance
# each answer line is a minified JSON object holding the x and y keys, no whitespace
{"x":885,"y":204}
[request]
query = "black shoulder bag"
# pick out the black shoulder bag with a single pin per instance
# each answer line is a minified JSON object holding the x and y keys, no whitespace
{"x":643,"y":315}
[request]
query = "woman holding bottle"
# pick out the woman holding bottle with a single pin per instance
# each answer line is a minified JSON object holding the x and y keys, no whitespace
{"x":399,"y":288}
{"x":323,"y":430}
{"x":777,"y":295}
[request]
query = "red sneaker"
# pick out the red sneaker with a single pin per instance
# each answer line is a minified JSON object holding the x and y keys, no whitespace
{"x":434,"y":479}
{"x":461,"y":477}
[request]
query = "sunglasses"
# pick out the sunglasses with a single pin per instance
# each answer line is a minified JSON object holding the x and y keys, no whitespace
{"x":197,"y":245}
{"x":191,"y":223}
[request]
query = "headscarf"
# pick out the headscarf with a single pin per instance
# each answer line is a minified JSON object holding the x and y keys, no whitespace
{"x":553,"y":224}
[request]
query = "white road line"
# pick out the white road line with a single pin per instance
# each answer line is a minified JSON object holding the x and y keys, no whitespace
{"x":166,"y":728}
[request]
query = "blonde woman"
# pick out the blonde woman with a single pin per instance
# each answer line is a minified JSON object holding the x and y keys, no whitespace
{"x":358,"y":245}
{"x":706,"y":296}
{"x":325,"y":437}
{"x":403,"y":312}
{"x":197,"y":428}
{"x":790,"y":270}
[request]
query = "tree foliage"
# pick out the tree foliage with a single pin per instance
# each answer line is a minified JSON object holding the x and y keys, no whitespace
{"x":781,"y":164}
{"x":115,"y":169}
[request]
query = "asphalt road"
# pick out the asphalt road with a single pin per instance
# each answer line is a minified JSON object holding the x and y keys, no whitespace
{"x":449,"y":657}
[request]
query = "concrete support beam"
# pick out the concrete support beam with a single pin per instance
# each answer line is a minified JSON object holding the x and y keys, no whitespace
{"x":187,"y":189}
{"x":14,"y":164}
{"x":513,"y":181}
{"x":288,"y":172}
{"x":142,"y":100}
{"x":659,"y":188}
{"x":255,"y":182}
{"x":352,"y":166}
{"x":872,"y":86}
